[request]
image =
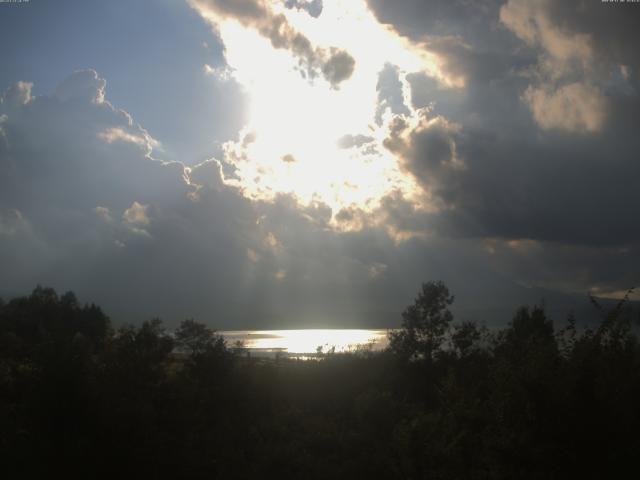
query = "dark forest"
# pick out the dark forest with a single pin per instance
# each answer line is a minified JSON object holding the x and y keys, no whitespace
{"x":445,"y":400}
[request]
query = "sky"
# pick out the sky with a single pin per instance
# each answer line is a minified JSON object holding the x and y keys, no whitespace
{"x":308,"y":163}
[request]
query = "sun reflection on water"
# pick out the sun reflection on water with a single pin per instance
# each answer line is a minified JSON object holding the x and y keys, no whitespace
{"x":308,"y":341}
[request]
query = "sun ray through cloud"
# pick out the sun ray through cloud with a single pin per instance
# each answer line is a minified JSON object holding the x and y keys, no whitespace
{"x":291,"y":144}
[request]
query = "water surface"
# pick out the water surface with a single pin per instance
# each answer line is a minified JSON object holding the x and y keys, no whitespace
{"x":306,"y":341}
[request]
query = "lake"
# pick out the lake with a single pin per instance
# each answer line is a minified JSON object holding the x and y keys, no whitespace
{"x":306,"y":342}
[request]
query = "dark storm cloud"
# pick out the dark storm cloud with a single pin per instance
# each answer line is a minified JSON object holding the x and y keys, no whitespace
{"x":334,"y":64}
{"x":417,"y":18}
{"x":543,"y":133}
{"x":571,"y":56}
{"x":549,"y":174}
{"x":547,"y":187}
{"x":602,"y":270}
{"x":465,"y":34}
{"x":610,"y":30}
{"x":504,"y":263}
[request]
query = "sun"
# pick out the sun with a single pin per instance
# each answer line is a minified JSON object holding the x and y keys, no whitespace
{"x":307,"y":137}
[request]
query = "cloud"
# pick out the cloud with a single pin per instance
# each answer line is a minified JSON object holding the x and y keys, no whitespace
{"x":522,"y":172}
{"x":530,"y":21}
{"x":11,"y":221}
{"x":510,"y":196}
{"x":575,"y":107}
{"x":557,"y":102}
{"x":136,"y":214}
{"x":70,"y":164}
{"x":207,"y":174}
{"x":144,"y":238}
{"x":564,"y":268}
{"x":390,"y":93}
{"x":462,"y":35}
{"x":510,"y":188}
{"x":84,"y":85}
{"x":580,"y":62}
{"x":351,"y":141}
{"x":427,"y":149}
{"x":334,"y":64}
{"x":17,"y":95}
{"x":338,"y":66}
{"x":497,"y":156}
{"x":116,"y":134}
{"x":414,"y":18}
{"x":312,"y":7}
{"x":500,"y":50}
{"x":84,"y":205}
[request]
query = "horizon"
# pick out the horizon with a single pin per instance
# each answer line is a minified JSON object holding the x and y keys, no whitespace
{"x":588,"y":310}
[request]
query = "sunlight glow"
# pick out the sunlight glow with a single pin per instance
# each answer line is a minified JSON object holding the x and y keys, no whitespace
{"x":308,"y":340}
{"x":291,"y":143}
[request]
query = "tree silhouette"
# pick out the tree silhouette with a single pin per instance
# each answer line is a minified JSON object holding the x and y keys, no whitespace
{"x":424,"y":324}
{"x":466,"y":337}
{"x":196,"y":339}
{"x":523,"y":401}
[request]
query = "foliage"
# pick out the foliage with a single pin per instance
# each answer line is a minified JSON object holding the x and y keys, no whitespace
{"x":445,"y":401}
{"x":197,"y":339}
{"x":424,"y":323}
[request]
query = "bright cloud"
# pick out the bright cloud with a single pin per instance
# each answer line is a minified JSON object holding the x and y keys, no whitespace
{"x":136,"y":214}
{"x":115,"y":134}
{"x":299,"y":124}
{"x":575,"y":107}
{"x":530,"y":21}
{"x":557,"y":100}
